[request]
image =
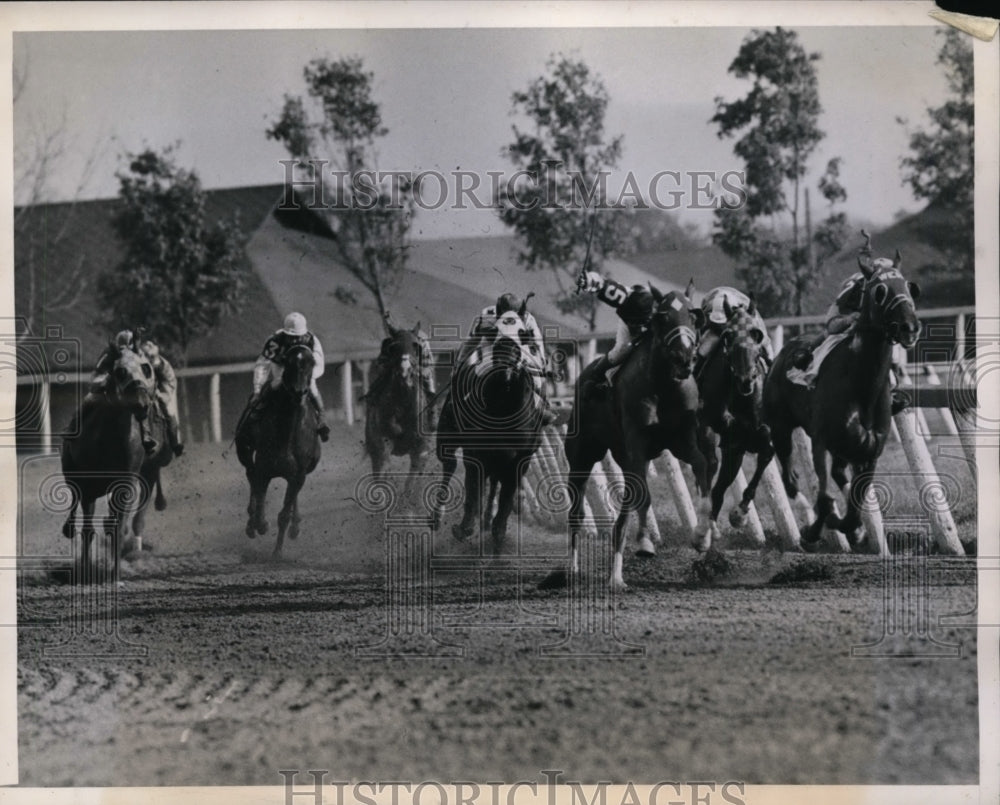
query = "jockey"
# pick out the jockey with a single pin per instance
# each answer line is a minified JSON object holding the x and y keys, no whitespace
{"x":635,"y":308}
{"x":267,"y":371}
{"x":713,"y":305}
{"x":483,"y":329}
{"x":166,"y":392}
{"x":124,"y":340}
{"x":841,"y":318}
{"x":485,"y":326}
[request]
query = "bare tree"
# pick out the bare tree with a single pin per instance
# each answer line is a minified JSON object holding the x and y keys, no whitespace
{"x":41,"y":151}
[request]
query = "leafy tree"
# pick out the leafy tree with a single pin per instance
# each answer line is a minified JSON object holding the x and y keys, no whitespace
{"x":180,"y":274}
{"x":560,"y":212}
{"x":771,"y":236}
{"x":339,"y":126}
{"x":941,"y":165}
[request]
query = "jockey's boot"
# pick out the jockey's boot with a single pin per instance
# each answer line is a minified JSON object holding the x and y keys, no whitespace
{"x":599,"y":377}
{"x":321,"y":427}
{"x":174,"y":435}
{"x":900,"y":401}
{"x":149,"y":444}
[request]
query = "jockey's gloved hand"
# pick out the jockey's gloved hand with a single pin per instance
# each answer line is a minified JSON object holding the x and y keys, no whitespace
{"x":589,"y":282}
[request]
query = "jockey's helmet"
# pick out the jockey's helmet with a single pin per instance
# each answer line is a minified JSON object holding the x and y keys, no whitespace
{"x":295,"y":324}
{"x":124,"y":339}
{"x":507,"y":301}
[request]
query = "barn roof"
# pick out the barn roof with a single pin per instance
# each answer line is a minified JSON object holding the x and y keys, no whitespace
{"x":294,"y":267}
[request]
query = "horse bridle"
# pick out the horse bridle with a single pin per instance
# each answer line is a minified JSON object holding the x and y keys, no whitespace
{"x":284,"y":366}
{"x":889,"y":303}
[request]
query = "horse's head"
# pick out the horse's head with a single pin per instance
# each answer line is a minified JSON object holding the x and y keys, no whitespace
{"x":510,"y":343}
{"x":674,"y":326}
{"x":296,"y":374}
{"x":742,"y":344}
{"x":402,"y":353}
{"x":888,"y":301}
{"x":131,"y":378}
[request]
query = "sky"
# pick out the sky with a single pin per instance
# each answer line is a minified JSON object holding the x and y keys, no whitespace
{"x":446,"y":99}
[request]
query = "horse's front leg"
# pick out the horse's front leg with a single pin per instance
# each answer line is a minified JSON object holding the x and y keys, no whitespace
{"x":449,"y":462}
{"x":687,"y":449}
{"x":644,"y":543}
{"x":826,"y":507}
{"x":732,"y":460}
{"x":765,"y":452}
{"x":256,"y":524}
{"x":288,"y":513}
{"x":473,"y":500}
{"x":509,"y":487}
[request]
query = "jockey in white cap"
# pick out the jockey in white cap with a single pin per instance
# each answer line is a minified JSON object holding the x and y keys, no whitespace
{"x":267,"y":371}
{"x":166,"y":391}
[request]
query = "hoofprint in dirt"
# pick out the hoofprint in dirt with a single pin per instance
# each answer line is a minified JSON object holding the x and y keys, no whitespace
{"x":252,"y":666}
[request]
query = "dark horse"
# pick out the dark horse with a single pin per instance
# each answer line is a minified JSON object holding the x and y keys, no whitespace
{"x":848,"y":414}
{"x":281,"y":441}
{"x":731,"y":384}
{"x":399,"y":417}
{"x":652,"y":407}
{"x":105,"y":455}
{"x":494,"y":416}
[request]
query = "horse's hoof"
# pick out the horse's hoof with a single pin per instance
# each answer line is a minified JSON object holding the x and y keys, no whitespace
{"x":459,"y":533}
{"x":250,"y":532}
{"x":262,"y":527}
{"x":556,"y":580}
{"x":293,"y":532}
{"x":160,"y":504}
{"x":646,"y":548}
{"x":737,"y":517}
{"x":67,"y":532}
{"x":617,"y":586}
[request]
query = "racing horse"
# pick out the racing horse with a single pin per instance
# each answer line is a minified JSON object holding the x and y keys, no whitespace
{"x":731,"y":385}
{"x":103,"y":454}
{"x":848,"y":413}
{"x":280,"y":440}
{"x":399,"y":419}
{"x":651,"y":407}
{"x":495,"y":417}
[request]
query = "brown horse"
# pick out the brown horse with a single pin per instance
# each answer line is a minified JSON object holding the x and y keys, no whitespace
{"x":848,"y":414}
{"x":280,"y":441}
{"x":105,"y":456}
{"x":731,"y":384}
{"x":652,"y":407}
{"x":399,"y":418}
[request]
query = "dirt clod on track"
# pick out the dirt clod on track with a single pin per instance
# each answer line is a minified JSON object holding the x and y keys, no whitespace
{"x":212,"y":664}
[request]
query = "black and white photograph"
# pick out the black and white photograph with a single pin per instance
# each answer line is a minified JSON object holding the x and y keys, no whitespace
{"x":472,"y":403}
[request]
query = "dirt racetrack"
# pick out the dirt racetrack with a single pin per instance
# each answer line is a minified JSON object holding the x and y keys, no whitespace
{"x":224,"y":667}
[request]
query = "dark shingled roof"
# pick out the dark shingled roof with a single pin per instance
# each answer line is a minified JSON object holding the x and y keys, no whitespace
{"x":295,"y":267}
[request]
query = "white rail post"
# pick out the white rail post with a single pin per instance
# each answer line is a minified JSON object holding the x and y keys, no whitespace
{"x":784,"y":517}
{"x":960,"y":325}
{"x":45,"y":414}
{"x":668,"y":466}
{"x":347,"y":392}
{"x":922,"y":466}
{"x":778,"y":337}
{"x":215,"y":406}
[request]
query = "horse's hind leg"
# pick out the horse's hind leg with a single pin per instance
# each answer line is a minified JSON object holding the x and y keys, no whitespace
{"x":256,"y":524}
{"x":509,"y":487}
